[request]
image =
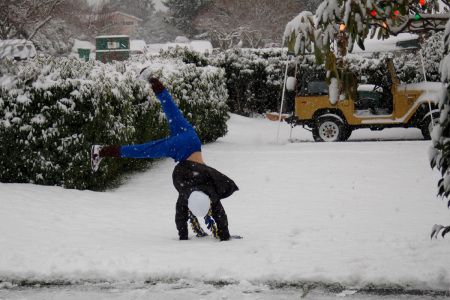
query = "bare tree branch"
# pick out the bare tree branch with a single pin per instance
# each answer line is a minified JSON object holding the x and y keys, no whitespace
{"x":39,"y":27}
{"x":24,"y":18}
{"x":251,"y":23}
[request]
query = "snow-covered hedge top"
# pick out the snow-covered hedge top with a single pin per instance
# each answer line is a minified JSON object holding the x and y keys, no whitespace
{"x":44,"y":73}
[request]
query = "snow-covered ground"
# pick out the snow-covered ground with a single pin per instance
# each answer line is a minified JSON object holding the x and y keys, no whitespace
{"x":341,"y":216}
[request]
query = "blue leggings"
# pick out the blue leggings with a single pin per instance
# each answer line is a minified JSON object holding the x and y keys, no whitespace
{"x":183,"y":141}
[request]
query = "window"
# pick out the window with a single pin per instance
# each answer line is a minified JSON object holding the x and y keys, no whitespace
{"x":313,"y":84}
{"x":318,"y":88}
{"x":129,"y":23}
{"x":113,"y":45}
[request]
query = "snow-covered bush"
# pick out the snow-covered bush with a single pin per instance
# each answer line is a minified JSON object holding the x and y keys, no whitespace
{"x":53,"y":109}
{"x":433,"y":54}
{"x":254,"y":77}
{"x":409,"y":67}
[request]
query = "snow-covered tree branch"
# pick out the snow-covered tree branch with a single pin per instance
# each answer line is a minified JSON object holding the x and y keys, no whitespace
{"x":23,"y":18}
{"x":354,"y":20}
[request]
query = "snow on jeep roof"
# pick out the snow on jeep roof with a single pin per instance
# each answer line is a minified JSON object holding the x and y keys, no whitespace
{"x":401,"y":42}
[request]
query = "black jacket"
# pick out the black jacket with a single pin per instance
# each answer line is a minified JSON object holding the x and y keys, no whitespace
{"x":189,"y":176}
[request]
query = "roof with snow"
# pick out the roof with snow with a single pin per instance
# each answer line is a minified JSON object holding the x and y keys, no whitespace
{"x":82,"y":45}
{"x":401,"y":42}
{"x":17,"y":48}
{"x":127,"y":15}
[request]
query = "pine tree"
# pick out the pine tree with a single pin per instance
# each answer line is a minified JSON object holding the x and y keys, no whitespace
{"x":155,"y":30}
{"x":142,"y":9}
{"x":183,"y":12}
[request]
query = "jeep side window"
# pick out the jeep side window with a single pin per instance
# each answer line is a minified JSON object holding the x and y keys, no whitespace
{"x":313,"y":84}
{"x":317,"y":88}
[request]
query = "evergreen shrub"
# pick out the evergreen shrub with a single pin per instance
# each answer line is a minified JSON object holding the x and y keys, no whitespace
{"x":253,"y":76}
{"x":53,"y":109}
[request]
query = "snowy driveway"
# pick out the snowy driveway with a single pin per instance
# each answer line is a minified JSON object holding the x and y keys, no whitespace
{"x":355,"y":214}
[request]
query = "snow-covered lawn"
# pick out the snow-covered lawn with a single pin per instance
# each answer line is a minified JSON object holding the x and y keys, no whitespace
{"x":354,"y":213}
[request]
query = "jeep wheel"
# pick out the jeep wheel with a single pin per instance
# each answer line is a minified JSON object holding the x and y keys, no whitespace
{"x":346,"y":133}
{"x":427,"y":126}
{"x":328,"y":129}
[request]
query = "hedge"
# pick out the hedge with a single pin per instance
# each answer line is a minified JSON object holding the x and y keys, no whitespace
{"x":53,"y":109}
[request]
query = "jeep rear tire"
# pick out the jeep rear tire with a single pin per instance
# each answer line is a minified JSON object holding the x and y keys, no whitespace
{"x":328,"y":129}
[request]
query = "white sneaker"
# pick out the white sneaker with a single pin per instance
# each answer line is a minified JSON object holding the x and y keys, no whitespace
{"x":95,"y":157}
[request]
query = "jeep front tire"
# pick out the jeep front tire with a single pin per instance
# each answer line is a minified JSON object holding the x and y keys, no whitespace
{"x":328,"y":129}
{"x":427,"y":126}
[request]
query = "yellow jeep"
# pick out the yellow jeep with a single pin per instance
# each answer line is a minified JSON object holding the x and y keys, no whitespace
{"x":404,"y":105}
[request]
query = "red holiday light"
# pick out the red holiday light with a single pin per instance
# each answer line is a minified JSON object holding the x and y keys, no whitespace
{"x":373,"y":12}
{"x":422,"y":2}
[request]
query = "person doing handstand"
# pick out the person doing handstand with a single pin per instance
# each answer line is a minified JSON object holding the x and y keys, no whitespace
{"x":197,"y":184}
